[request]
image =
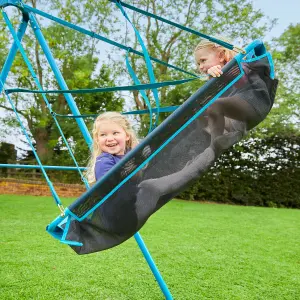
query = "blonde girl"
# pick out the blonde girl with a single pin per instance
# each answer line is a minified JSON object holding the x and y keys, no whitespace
{"x":211,"y":57}
{"x":239,"y":106}
{"x":113,"y":137}
{"x":242,"y":106}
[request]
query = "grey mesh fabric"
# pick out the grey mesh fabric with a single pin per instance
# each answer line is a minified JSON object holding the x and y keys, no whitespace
{"x":179,"y":163}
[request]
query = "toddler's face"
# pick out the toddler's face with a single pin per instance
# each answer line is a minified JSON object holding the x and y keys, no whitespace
{"x":207,"y":58}
{"x":112,"y":138}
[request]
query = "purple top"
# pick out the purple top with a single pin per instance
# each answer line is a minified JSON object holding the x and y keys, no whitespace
{"x":104,"y":162}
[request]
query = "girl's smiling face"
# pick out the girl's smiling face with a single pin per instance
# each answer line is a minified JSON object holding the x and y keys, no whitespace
{"x":112,"y":138}
{"x":207,"y":58}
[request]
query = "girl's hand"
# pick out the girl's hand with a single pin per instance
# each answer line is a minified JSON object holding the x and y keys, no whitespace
{"x":215,"y":71}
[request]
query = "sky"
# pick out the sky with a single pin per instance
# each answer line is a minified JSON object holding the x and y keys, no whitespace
{"x":286,"y":11}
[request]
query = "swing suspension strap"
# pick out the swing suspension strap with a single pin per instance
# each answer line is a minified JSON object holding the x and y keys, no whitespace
{"x":101,"y":38}
{"x":149,"y":70}
{"x":153,"y":86}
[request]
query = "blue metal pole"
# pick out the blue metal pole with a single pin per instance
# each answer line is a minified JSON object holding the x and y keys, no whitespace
{"x":12,"y":53}
{"x":153,"y":267}
{"x":61,"y":82}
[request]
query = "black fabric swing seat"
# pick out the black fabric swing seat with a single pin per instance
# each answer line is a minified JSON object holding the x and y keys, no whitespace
{"x":171,"y":157}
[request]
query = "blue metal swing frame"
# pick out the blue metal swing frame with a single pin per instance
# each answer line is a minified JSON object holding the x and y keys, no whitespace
{"x":28,"y":16}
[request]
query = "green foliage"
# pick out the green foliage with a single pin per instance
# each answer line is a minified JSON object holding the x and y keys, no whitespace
{"x":261,"y":172}
{"x":8,"y":156}
{"x":8,"y":153}
{"x":286,"y":54}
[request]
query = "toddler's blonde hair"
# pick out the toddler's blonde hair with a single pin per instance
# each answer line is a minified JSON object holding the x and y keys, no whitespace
{"x":228,"y":54}
{"x":96,"y":151}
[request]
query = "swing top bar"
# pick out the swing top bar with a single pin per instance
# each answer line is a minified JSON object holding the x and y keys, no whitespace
{"x":20,"y":5}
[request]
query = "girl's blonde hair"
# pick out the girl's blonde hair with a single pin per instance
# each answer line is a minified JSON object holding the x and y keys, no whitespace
{"x":96,"y":151}
{"x":228,"y":54}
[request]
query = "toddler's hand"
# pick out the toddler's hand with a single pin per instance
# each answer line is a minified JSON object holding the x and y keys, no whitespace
{"x":215,"y":71}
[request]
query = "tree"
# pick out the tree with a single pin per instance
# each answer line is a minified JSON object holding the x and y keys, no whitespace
{"x":77,"y":57}
{"x":237,"y":18}
{"x":286,"y":55}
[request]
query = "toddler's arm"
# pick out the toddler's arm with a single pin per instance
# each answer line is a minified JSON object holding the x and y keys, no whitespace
{"x":215,"y":71}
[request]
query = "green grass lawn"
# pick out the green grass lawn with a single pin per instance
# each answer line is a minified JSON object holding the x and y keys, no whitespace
{"x":204,"y":251}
